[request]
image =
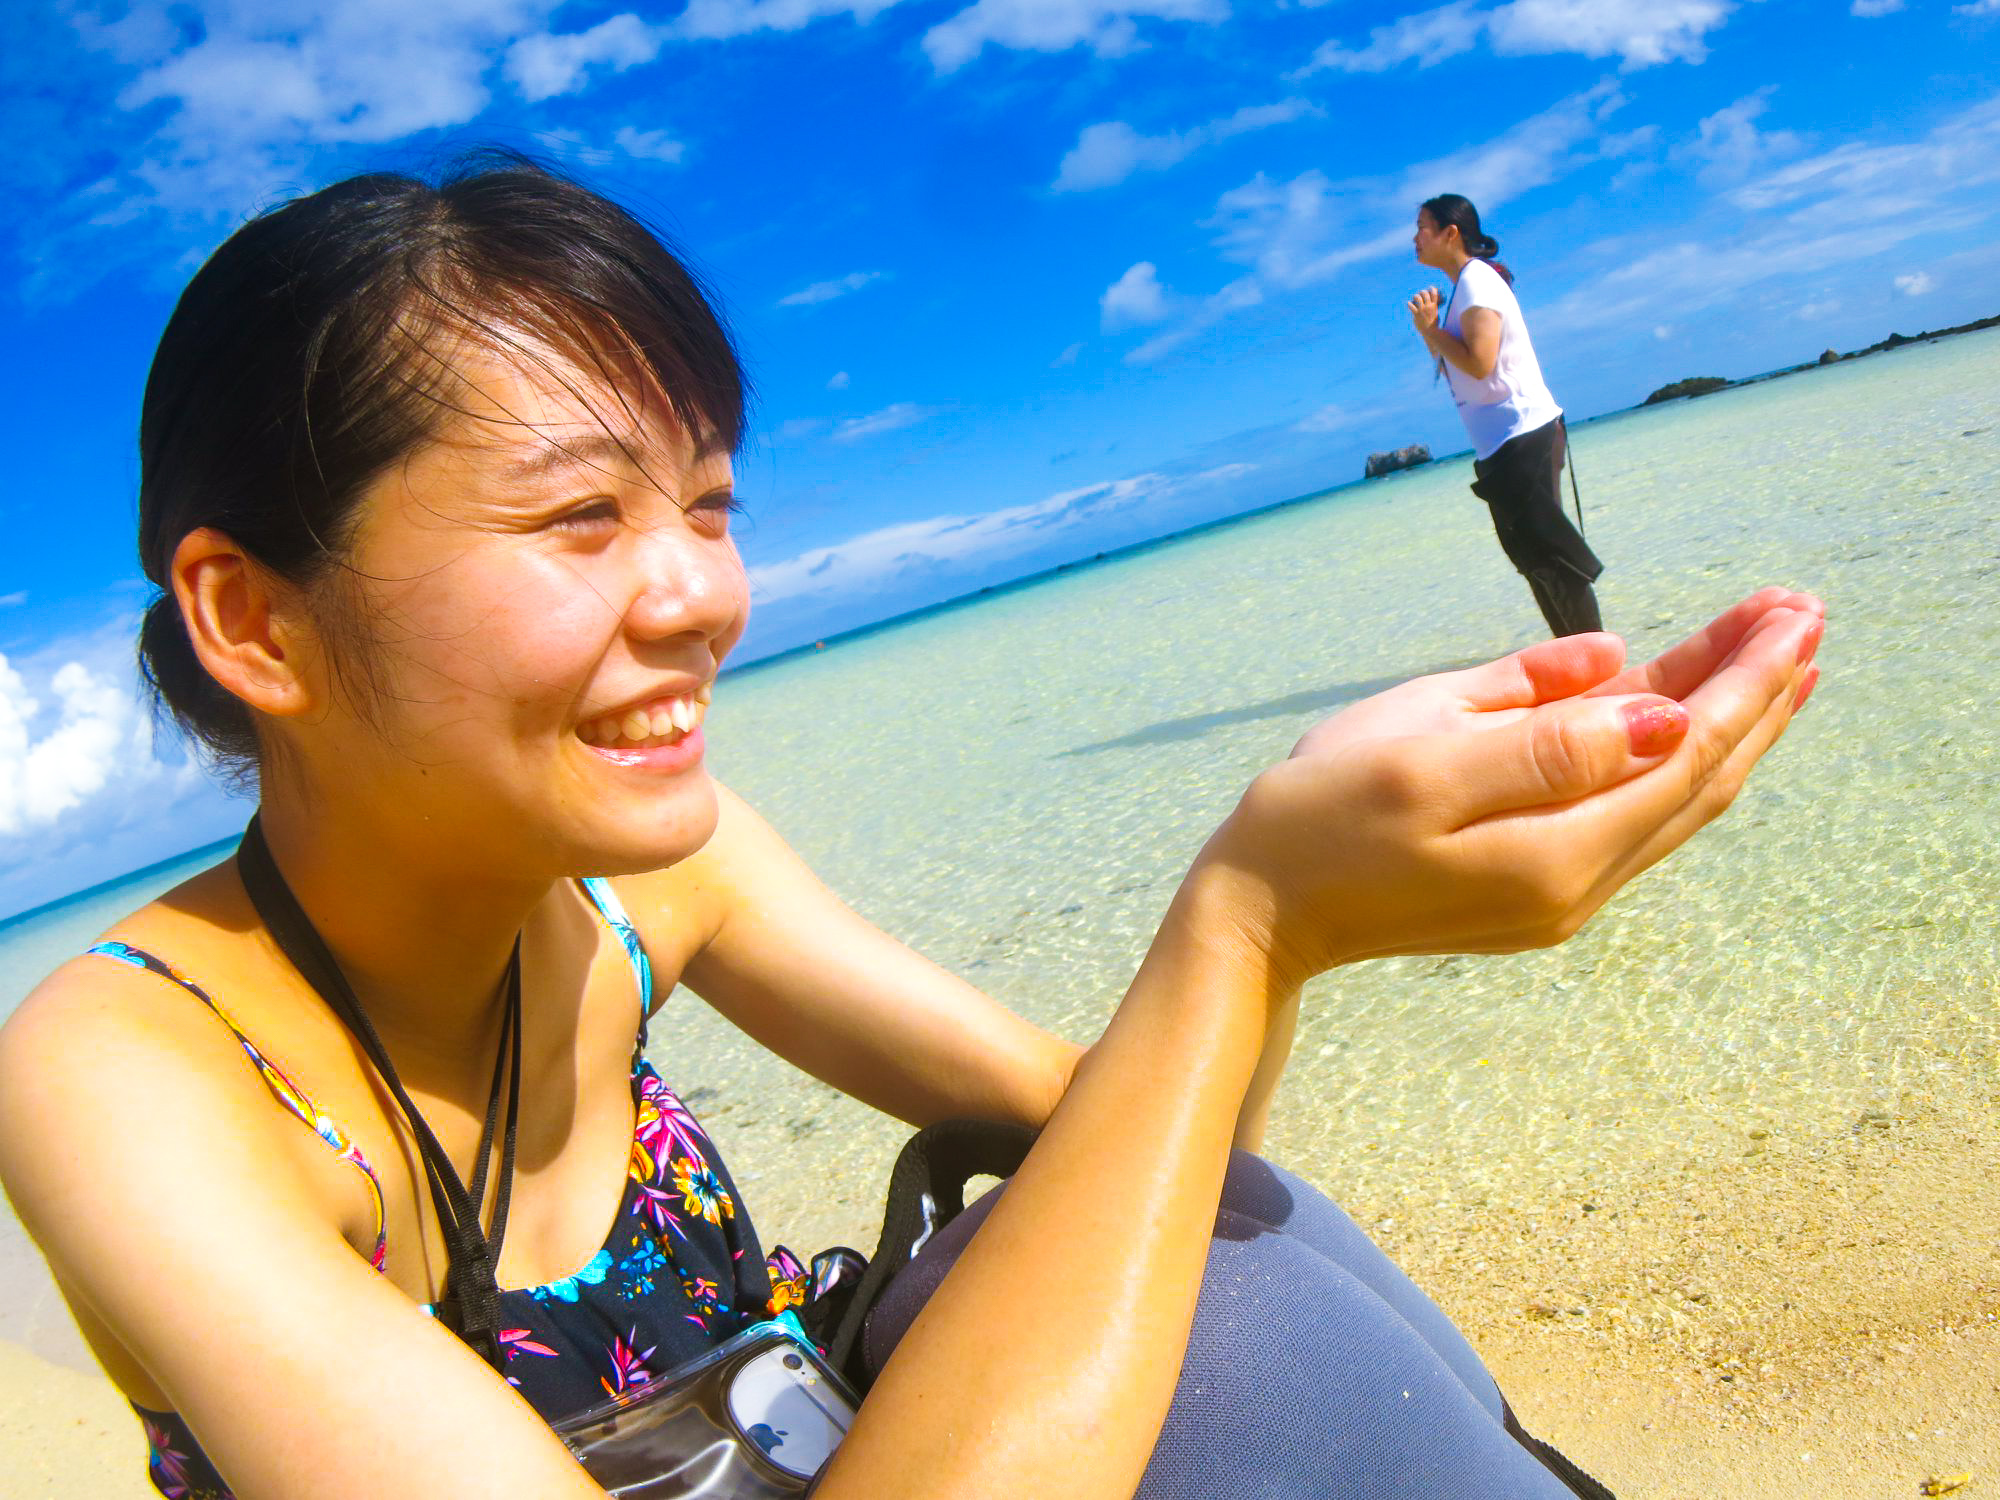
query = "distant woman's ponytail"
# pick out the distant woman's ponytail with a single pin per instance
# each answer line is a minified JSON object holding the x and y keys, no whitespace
{"x":1453,"y":211}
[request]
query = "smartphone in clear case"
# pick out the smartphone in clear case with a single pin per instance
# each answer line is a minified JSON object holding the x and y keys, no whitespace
{"x":756,"y":1416}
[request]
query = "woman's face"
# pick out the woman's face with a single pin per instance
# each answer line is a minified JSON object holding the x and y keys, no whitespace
{"x":1430,"y":241}
{"x":545,"y":592}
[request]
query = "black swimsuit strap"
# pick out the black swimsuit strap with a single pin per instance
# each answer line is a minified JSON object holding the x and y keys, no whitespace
{"x":470,"y":1305}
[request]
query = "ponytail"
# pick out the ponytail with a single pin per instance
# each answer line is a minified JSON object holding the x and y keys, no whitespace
{"x":1455,"y":211}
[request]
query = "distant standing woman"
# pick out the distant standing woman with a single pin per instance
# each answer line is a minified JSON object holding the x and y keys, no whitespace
{"x":1518,"y":438}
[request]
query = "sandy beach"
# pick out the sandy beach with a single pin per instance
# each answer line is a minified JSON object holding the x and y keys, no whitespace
{"x":1811,"y":1321}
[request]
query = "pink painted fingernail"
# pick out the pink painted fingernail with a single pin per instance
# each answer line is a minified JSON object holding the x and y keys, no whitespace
{"x":1809,"y":642}
{"x":1805,"y":688}
{"x":1655,"y":728}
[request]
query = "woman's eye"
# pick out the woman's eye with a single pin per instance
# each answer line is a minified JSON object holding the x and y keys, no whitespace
{"x":718,"y":506}
{"x":590,"y":514}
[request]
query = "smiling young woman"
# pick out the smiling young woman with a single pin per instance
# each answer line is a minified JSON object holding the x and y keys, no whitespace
{"x":436,"y":490}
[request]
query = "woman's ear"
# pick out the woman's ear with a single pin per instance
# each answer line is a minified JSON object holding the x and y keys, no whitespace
{"x":245,"y":624}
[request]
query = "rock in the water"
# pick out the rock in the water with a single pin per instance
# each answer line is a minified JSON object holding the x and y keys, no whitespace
{"x":1829,"y":358}
{"x":1400,"y":458}
{"x":1697,"y":385}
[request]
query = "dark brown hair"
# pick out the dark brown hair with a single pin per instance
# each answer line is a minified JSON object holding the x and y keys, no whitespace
{"x":310,"y":353}
{"x":1452,"y":211}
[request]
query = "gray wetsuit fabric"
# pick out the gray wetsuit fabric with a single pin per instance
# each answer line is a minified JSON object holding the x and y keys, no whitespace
{"x":1315,"y":1367}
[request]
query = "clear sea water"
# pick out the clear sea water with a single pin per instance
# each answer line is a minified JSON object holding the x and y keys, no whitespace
{"x":1015,"y":785}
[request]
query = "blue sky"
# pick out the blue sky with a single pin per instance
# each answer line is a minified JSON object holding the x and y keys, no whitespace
{"x":1018,"y":281}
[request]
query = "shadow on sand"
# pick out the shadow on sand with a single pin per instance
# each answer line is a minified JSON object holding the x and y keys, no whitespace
{"x":1319,"y":700}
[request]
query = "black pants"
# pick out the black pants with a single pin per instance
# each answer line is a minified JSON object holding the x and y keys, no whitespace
{"x":1522,"y":486}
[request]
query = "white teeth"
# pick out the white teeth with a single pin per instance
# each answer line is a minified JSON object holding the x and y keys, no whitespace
{"x":704,"y":694}
{"x":676,"y":716}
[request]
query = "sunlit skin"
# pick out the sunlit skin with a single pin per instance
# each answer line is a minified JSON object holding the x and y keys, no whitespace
{"x":549,"y":559}
{"x":1478,"y":350}
{"x":429,"y":809}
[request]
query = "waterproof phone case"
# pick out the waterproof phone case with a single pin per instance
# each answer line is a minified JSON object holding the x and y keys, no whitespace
{"x":756,"y":1416}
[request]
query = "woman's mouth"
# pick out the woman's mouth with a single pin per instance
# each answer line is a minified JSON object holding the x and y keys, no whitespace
{"x":650,"y":726}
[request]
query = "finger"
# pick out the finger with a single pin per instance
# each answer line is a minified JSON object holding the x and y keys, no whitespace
{"x":1677,"y":672}
{"x":1558,"y":753}
{"x":1715,"y":793}
{"x":1734,"y":719}
{"x":1806,"y":687}
{"x":1540,"y":673}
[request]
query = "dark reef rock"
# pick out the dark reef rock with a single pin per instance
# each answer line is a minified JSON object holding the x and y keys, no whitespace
{"x":1400,"y":458}
{"x":1828,"y":357}
{"x":1698,"y":385}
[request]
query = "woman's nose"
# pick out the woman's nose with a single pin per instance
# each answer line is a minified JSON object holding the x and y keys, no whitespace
{"x":688,"y":585}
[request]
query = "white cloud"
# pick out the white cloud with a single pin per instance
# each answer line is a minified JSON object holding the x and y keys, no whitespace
{"x":1237,"y":295}
{"x":1868,"y":9}
{"x":1067,"y":357}
{"x":1221,"y":472}
{"x":1426,"y":38}
{"x":1301,"y":232}
{"x":826,"y":291}
{"x":8,"y":601}
{"x":1329,"y":418}
{"x":234,"y":103}
{"x":649,"y":145}
{"x":85,"y":794}
{"x":1108,"y":153}
{"x":1305,"y":231}
{"x":1886,"y":180}
{"x":1915,"y":284}
{"x":794,"y":428}
{"x":839,"y":381}
{"x":1134,"y":298}
{"x":717,"y":20}
{"x":1639,"y":33}
{"x":1978,"y":8}
{"x":888,"y":419}
{"x":1884,"y":197}
{"x":875,"y":558}
{"x":1107,"y":27}
{"x":1663,"y":332}
{"x":1812,"y":312}
{"x":547,"y":64}
{"x":1728,"y":146}
{"x":98,"y":750}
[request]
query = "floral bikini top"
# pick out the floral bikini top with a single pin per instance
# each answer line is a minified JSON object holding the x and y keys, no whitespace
{"x":681,"y":1270}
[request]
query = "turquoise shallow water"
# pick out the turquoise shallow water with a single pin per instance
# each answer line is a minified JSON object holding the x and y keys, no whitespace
{"x":1015,"y":786}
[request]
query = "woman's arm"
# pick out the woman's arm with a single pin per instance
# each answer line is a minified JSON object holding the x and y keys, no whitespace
{"x":785,"y":959}
{"x":1045,"y":1362}
{"x":796,"y":968}
{"x":194,"y":1220}
{"x":1477,"y":353}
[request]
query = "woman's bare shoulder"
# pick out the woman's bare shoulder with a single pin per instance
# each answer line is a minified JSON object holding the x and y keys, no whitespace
{"x":106,"y":1009}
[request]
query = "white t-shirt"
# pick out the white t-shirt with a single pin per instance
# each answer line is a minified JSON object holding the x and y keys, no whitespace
{"x":1514,"y":399}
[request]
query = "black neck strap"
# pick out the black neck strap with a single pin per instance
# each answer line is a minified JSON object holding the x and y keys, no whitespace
{"x":470,"y":1304}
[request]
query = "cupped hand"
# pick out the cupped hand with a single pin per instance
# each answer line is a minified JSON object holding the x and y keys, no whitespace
{"x":1495,"y":809}
{"x":1424,"y":310}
